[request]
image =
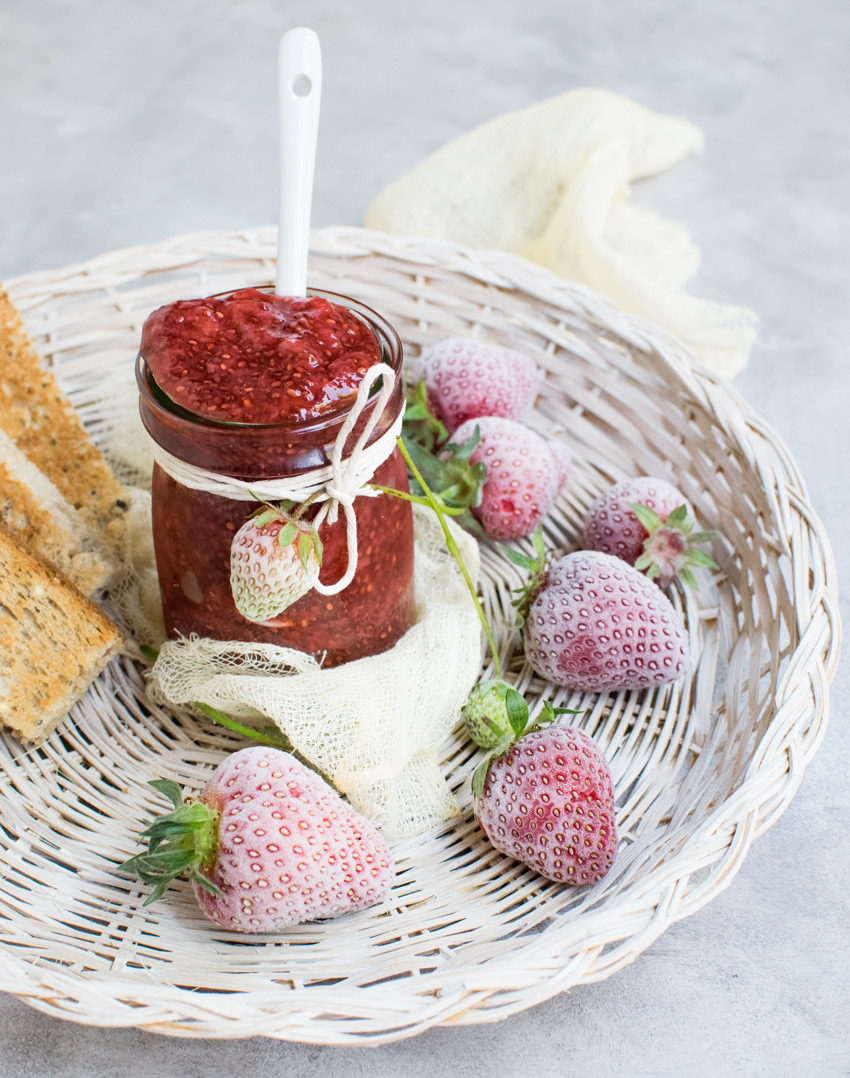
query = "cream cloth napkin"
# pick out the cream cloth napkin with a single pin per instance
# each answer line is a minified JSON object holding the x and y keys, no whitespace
{"x":551,"y":182}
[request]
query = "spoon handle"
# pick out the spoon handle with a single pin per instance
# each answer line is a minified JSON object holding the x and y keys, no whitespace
{"x":299,"y":91}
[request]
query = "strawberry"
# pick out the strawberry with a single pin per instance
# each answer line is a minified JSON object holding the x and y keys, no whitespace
{"x":467,"y":379}
{"x":487,"y":712}
{"x":549,"y":802}
{"x":524,"y":475}
{"x":496,"y":714}
{"x":274,"y":560}
{"x":266,"y":844}
{"x":598,"y":624}
{"x":648,"y":523}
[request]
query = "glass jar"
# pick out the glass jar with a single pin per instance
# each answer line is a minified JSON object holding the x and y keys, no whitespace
{"x":193,"y":530}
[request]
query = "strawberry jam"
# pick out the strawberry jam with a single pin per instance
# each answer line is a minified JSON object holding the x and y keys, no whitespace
{"x":253,"y":357}
{"x":257,"y":386}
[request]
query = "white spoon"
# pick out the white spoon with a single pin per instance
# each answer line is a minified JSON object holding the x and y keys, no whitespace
{"x":299,"y":92}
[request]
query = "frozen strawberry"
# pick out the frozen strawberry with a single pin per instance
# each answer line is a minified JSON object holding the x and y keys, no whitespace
{"x":524,"y":475}
{"x":549,"y":802}
{"x":648,"y":523}
{"x":598,"y":624}
{"x":267,"y":844}
{"x":274,"y":560}
{"x":467,"y":378}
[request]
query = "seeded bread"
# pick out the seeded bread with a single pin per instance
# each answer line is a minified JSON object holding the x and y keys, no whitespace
{"x":42,"y":423}
{"x":53,"y":642}
{"x":32,"y":507}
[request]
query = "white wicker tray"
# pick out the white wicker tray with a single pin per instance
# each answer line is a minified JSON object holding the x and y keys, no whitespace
{"x":700,"y":768}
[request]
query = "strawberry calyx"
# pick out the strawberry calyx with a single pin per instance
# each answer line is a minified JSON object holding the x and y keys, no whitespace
{"x":295,"y":529}
{"x":451,"y":477}
{"x":536,"y":566}
{"x":420,"y":425}
{"x":505,"y":736}
{"x":670,"y":548}
{"x":180,"y":843}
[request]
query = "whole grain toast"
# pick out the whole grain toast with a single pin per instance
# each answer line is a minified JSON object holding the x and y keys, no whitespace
{"x":32,"y":507}
{"x":53,"y":642}
{"x":43,"y":424}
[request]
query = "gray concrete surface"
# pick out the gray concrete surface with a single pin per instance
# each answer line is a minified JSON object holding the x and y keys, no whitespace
{"x":126,"y":123}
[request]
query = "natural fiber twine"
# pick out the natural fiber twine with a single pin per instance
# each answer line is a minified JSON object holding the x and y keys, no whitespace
{"x":701,"y":768}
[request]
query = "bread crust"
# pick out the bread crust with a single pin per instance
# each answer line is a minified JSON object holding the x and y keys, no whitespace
{"x":53,"y":642}
{"x":43,"y":424}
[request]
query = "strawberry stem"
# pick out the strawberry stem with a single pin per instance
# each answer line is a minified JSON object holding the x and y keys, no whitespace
{"x":447,"y":509}
{"x":183,"y":842}
{"x":439,"y":508}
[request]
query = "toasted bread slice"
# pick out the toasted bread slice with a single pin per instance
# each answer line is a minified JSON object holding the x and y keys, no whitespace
{"x":53,"y":642}
{"x":32,"y":507}
{"x":42,"y":423}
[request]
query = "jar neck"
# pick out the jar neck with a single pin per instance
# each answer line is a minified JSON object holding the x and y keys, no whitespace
{"x":248,"y":451}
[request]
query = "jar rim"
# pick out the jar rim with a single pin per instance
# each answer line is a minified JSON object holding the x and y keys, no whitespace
{"x":385,"y":334}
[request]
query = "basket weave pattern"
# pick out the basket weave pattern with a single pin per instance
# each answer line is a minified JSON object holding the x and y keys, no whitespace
{"x":701,"y":767}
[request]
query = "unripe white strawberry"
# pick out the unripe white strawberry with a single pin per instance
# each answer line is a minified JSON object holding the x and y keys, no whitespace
{"x":273,"y":562}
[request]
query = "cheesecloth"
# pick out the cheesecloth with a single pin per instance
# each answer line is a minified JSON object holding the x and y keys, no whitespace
{"x":551,"y":183}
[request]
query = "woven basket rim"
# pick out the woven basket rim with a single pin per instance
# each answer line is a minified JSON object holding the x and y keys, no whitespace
{"x":737,"y":821}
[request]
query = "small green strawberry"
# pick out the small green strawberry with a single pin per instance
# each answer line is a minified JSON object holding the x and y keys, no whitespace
{"x":490,"y":712}
{"x":275,"y":558}
{"x":497,"y":717}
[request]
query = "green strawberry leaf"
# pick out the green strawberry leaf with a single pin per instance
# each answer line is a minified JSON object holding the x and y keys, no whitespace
{"x":179,"y":842}
{"x":520,"y":559}
{"x":701,"y":559}
{"x":687,"y":577}
{"x":203,"y":882}
{"x":457,"y":482}
{"x":318,"y":546}
{"x":170,"y":789}
{"x":420,"y":425}
{"x":648,"y":517}
{"x":703,"y":537}
{"x":677,"y":518}
{"x":305,"y":545}
{"x":538,"y":544}
{"x":286,"y":534}
{"x":479,"y":777}
{"x":149,"y":653}
{"x":517,"y":710}
{"x":265,"y":516}
{"x":643,"y":562}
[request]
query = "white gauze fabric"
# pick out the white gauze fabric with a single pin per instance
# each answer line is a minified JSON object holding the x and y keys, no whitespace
{"x":375,"y":725}
{"x":551,"y":183}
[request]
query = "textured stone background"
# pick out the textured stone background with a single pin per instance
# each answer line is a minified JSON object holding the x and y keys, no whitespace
{"x":123,"y":124}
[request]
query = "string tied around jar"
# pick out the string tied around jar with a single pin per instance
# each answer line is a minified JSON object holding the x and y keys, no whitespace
{"x":332,"y":486}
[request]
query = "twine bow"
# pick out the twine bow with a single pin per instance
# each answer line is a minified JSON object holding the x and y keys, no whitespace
{"x":333,"y":486}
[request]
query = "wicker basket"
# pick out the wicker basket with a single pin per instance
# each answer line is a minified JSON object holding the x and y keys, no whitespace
{"x":701,"y":767}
